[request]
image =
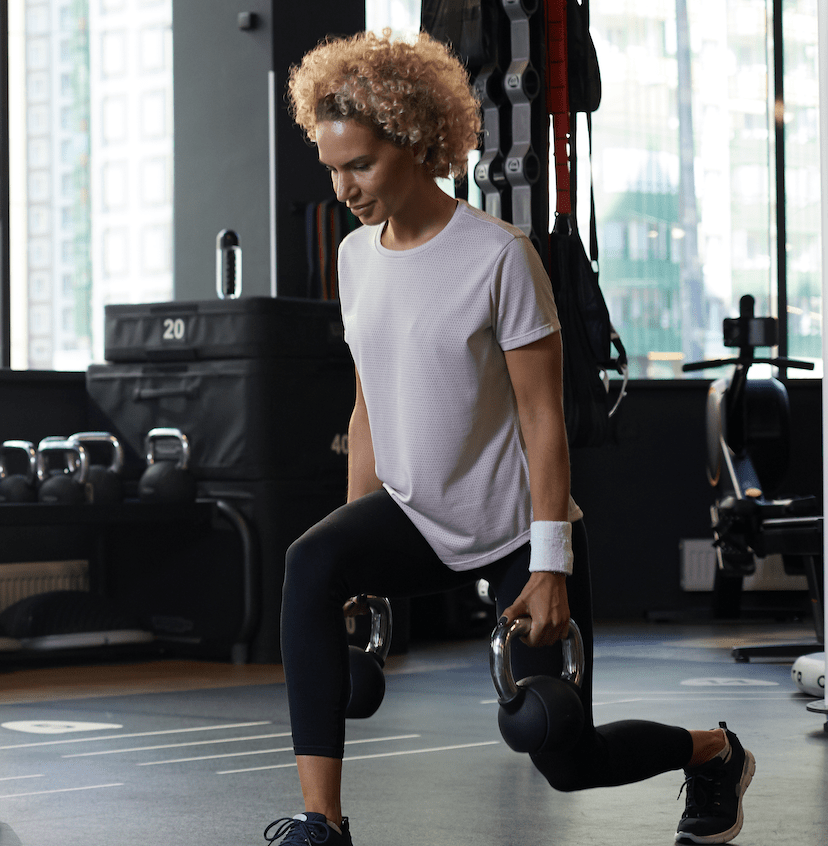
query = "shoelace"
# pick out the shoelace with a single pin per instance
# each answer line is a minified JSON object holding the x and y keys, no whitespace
{"x":697,"y":796}
{"x":308,"y":832}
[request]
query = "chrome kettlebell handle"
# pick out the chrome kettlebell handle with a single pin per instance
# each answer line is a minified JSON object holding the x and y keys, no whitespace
{"x":379,"y":641}
{"x":157,"y":434}
{"x":117,"y":462}
{"x":65,"y":446}
{"x":500,"y":658}
{"x":24,"y":446}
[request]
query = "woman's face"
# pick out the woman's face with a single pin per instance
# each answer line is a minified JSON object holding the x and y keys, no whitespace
{"x":372,"y":176}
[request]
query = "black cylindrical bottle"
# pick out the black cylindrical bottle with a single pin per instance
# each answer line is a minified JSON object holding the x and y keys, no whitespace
{"x":228,"y":265}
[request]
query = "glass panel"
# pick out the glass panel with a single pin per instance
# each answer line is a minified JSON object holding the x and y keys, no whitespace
{"x":685,"y":186}
{"x":91,"y":156}
{"x":681,"y":167}
{"x":802,"y":184}
{"x":402,"y":16}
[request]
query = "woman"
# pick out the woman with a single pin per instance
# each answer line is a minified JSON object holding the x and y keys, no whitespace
{"x":458,"y":461}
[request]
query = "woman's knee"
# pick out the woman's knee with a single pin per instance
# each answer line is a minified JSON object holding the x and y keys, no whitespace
{"x":561,"y":772}
{"x":577,"y":767}
{"x":312,"y":563}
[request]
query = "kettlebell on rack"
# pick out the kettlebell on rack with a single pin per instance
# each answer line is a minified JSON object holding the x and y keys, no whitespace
{"x":167,"y":480}
{"x":69,"y":485}
{"x":538,"y":713}
{"x":104,"y":480}
{"x":18,"y":487}
{"x":367,"y":678}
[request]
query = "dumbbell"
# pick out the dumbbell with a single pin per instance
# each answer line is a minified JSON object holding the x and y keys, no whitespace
{"x":104,"y":480}
{"x":18,"y":487}
{"x":538,"y":713}
{"x":165,"y":480}
{"x":67,"y":486}
{"x":367,"y":679}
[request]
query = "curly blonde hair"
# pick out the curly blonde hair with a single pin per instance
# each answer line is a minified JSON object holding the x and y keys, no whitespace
{"x":414,"y":94}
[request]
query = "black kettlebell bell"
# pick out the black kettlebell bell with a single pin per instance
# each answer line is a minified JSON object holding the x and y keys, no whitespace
{"x":66,"y":486}
{"x":367,"y":678}
{"x":539,"y":713}
{"x":18,"y":487}
{"x":104,"y":480}
{"x":167,"y":481}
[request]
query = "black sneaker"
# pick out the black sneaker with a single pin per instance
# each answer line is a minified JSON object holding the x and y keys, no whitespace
{"x":713,"y":813}
{"x":306,"y":830}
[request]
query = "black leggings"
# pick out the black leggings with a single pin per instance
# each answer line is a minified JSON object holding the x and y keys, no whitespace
{"x":370,"y":546}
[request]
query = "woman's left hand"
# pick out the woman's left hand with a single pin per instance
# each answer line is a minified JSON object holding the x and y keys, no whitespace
{"x":544,"y":600}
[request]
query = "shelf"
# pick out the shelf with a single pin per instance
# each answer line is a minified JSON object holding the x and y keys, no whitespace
{"x":130,"y":511}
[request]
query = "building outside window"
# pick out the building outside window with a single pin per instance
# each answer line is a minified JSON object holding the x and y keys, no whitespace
{"x":683,"y":168}
{"x":90,"y":86}
{"x":685,"y":186}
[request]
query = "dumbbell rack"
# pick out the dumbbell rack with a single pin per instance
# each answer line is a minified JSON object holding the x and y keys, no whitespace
{"x":100,"y":521}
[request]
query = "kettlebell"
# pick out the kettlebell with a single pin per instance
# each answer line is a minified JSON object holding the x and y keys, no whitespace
{"x":165,"y":480}
{"x":18,"y":487}
{"x":539,"y":713}
{"x":67,"y":486}
{"x":367,"y":678}
{"x":104,"y":480}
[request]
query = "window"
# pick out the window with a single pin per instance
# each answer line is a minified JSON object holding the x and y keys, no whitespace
{"x":91,"y":169}
{"x":403,"y":16}
{"x":686,"y":187}
{"x":686,"y":198}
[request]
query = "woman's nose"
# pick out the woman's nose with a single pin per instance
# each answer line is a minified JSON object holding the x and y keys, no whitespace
{"x":343,"y":187}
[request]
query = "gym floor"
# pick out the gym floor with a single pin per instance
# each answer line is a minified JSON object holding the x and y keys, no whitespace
{"x":187,"y":752}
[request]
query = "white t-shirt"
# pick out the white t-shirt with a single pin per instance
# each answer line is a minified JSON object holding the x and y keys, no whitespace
{"x":427,"y":328}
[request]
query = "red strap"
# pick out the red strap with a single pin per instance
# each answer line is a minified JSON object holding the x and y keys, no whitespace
{"x":557,"y":89}
{"x":557,"y":98}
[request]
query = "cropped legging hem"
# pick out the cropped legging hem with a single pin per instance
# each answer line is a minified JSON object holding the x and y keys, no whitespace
{"x":370,"y":546}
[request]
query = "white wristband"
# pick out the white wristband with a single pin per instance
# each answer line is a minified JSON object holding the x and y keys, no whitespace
{"x":551,"y":547}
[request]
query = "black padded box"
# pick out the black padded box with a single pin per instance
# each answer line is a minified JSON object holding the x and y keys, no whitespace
{"x":260,"y":418}
{"x":262,"y":387}
{"x":251,"y":327}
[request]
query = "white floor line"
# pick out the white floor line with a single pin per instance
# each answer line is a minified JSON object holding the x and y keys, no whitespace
{"x":713,"y":699}
{"x":15,"y":778}
{"x":61,"y":790}
{"x":366,"y":757}
{"x":687,"y":691}
{"x":179,"y":745}
{"x":679,"y":697}
{"x":269,"y":751}
{"x":420,"y":751}
{"x":137,"y":734}
{"x":214,"y":757}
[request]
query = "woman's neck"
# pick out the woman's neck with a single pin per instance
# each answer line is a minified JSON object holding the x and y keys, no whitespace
{"x":426,"y":214}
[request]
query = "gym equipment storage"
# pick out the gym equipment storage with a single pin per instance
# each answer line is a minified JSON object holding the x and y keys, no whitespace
{"x":268,"y":430}
{"x":263,"y":389}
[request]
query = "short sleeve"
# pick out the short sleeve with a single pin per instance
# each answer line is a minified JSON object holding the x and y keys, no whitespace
{"x":523,"y":305}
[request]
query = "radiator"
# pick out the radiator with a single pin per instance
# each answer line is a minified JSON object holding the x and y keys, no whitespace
{"x":698,"y":570}
{"x":17,"y":581}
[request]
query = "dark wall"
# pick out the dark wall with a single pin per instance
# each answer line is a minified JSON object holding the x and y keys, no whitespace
{"x":35,"y":404}
{"x":647,"y":490}
{"x":642,"y":493}
{"x":222,"y":137}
